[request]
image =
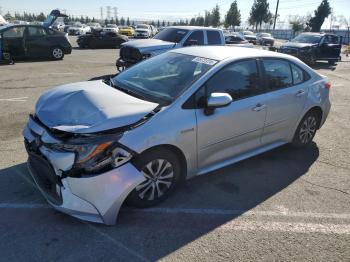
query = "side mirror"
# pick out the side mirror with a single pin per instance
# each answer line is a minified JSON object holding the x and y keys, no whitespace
{"x":217,"y":100}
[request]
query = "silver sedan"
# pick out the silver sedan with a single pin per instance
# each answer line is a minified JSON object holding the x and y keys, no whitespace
{"x":134,"y":137}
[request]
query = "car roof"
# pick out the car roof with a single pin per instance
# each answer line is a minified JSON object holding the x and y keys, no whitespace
{"x":227,"y":52}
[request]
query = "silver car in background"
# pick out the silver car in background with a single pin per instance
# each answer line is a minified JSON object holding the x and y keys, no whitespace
{"x":134,"y":137}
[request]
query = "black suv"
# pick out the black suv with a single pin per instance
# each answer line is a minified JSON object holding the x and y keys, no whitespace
{"x":310,"y":47}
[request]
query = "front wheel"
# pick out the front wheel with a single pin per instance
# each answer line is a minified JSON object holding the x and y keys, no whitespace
{"x":306,"y":130}
{"x":57,"y":53}
{"x":162,"y":171}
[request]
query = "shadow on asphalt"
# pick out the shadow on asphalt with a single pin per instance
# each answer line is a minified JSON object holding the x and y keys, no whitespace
{"x":241,"y":187}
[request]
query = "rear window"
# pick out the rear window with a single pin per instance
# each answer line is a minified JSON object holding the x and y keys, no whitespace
{"x":278,"y":74}
{"x":214,"y":38}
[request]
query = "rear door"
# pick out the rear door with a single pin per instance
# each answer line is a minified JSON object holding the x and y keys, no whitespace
{"x":13,"y":40}
{"x":236,"y":128}
{"x":36,"y":42}
{"x":286,"y":83}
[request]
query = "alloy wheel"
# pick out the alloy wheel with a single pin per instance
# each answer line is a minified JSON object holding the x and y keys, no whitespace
{"x":57,"y":53}
{"x":159,"y":176}
{"x":308,"y":129}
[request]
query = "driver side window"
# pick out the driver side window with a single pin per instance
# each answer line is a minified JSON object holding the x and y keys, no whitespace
{"x":195,"y":38}
{"x":240,"y":80}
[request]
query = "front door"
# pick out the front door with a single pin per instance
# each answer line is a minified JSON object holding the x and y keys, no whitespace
{"x":330,"y":47}
{"x":37,"y":42}
{"x":236,"y":128}
{"x":13,"y":40}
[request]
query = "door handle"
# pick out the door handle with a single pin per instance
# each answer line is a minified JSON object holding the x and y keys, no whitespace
{"x":258,"y":107}
{"x":300,"y":93}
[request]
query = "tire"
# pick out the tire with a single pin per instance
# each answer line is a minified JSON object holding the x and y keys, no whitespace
{"x":159,"y":183}
{"x":312,"y":60}
{"x":57,"y":53}
{"x":306,"y":129}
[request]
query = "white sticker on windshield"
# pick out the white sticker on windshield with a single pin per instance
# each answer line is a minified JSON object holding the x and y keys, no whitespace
{"x":181,"y":32}
{"x":204,"y":61}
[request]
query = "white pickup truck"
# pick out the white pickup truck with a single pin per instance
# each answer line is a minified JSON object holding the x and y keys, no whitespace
{"x":171,"y":37}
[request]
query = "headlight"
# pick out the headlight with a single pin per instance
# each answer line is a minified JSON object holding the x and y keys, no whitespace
{"x":95,"y":158}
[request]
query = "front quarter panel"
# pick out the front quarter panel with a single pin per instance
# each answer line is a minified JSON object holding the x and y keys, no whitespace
{"x":171,"y":126}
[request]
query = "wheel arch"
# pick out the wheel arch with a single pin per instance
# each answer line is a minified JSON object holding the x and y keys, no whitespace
{"x":318,"y":110}
{"x":177,"y":151}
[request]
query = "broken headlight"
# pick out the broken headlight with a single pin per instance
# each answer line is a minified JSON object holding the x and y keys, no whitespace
{"x":95,"y":158}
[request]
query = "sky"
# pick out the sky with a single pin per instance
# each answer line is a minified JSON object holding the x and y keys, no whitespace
{"x":167,"y":9}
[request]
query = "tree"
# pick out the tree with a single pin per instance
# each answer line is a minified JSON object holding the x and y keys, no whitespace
{"x":163,"y":23}
{"x":199,"y":21}
{"x":259,"y":13}
{"x":233,"y":16}
{"x":117,"y":21}
{"x":8,"y":16}
{"x":128,"y":21}
{"x":298,"y":24}
{"x":193,"y":21}
{"x":122,"y":21}
{"x":158,"y":23}
{"x":321,"y":13}
{"x":207,"y":18}
{"x":215,"y":16}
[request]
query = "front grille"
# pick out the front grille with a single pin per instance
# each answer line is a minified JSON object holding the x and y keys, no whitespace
{"x":130,"y":54}
{"x":44,"y":175}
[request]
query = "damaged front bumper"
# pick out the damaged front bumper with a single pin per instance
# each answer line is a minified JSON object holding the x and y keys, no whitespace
{"x":95,"y":198}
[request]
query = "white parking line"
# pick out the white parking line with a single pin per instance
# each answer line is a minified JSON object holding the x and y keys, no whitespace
{"x":15,"y":99}
{"x":282,"y":213}
{"x":293,"y":227}
{"x":201,"y":211}
{"x":239,"y":225}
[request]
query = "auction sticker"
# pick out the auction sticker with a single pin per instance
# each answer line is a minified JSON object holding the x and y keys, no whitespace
{"x":204,"y":61}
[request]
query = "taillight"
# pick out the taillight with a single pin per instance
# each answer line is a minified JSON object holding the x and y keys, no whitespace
{"x":328,"y":85}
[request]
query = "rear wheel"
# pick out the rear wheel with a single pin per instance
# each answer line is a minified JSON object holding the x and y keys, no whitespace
{"x":57,"y":53}
{"x":162,"y":171}
{"x":306,"y":130}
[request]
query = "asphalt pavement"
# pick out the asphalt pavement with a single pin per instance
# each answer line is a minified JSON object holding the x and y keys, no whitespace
{"x":285,"y":205}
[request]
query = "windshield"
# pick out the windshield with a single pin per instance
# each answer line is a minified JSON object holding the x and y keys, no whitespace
{"x":162,"y":84}
{"x":174,"y":35}
{"x":306,"y":38}
{"x":142,"y":27}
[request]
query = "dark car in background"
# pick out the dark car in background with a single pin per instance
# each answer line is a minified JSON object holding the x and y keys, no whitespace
{"x":101,"y":39}
{"x":265,"y":39}
{"x":311,"y":47}
{"x":34,"y":41}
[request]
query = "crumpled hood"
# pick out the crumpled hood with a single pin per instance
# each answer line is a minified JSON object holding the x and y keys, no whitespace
{"x":89,"y":107}
{"x":297,"y":45}
{"x":150,"y":44}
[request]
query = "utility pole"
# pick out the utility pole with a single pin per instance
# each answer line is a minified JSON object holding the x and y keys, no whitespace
{"x":101,"y":10}
{"x":108,"y":12}
{"x":276,"y":13}
{"x":115,"y":10}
